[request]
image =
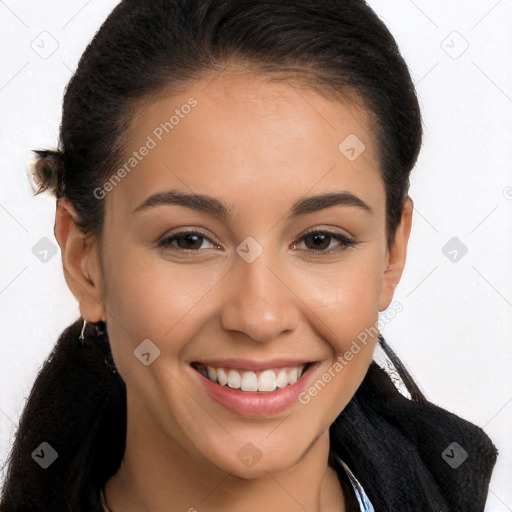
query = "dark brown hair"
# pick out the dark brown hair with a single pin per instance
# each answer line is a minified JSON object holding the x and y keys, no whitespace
{"x":339,"y":47}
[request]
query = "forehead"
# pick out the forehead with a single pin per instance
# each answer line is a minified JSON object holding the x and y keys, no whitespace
{"x":248,"y":140}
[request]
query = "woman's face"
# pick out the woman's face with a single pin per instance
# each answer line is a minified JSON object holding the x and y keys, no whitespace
{"x":256,"y":287}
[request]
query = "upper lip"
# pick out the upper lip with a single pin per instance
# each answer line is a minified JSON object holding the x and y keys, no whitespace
{"x":251,"y":364}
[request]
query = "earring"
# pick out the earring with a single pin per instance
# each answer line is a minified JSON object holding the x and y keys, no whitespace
{"x":81,"y":338}
{"x":105,"y":347}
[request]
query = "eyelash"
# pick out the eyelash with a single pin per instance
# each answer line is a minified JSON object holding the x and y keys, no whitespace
{"x":345,"y":241}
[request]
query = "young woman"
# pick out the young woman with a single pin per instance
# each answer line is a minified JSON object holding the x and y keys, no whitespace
{"x":233,"y":214}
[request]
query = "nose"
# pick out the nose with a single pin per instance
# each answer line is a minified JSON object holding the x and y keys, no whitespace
{"x":259,"y":302}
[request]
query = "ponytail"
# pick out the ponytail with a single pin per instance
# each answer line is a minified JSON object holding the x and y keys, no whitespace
{"x":78,"y":406}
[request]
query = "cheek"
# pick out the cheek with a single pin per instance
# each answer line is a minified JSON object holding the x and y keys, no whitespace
{"x":344,"y":296}
{"x":343,"y":307}
{"x":149,"y":297}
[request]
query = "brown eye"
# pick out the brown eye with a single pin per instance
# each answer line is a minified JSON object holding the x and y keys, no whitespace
{"x":189,"y":241}
{"x":185,"y":241}
{"x":319,"y":241}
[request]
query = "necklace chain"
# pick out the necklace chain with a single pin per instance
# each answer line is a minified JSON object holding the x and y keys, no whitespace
{"x":104,"y":500}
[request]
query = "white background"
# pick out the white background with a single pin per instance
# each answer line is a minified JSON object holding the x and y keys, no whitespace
{"x":454,"y":333}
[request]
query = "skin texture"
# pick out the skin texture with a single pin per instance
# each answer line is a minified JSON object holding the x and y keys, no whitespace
{"x":258,"y":146}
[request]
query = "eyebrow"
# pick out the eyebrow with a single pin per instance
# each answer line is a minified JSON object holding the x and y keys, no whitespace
{"x":216,"y":208}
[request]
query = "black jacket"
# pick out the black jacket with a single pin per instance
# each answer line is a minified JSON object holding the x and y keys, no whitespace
{"x":409,"y":455}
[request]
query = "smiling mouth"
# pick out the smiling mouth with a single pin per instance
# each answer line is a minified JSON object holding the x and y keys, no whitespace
{"x":266,"y":381}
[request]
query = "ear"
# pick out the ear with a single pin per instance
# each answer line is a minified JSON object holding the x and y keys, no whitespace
{"x":80,"y":260}
{"x":396,"y":256}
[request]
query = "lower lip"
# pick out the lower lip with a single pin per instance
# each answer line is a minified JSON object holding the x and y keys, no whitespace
{"x":253,"y":403}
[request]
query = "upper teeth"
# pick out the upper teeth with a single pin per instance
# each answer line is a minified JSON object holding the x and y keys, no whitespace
{"x":267,"y":380}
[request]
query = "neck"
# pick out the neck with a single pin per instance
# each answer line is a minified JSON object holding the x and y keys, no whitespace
{"x":156,"y":470}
